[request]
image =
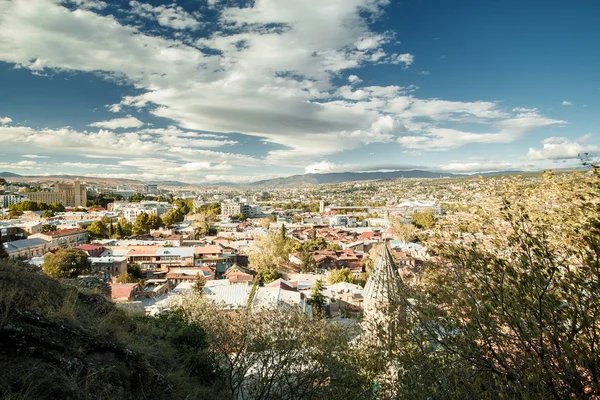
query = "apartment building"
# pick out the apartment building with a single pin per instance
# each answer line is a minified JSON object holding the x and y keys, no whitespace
{"x":74,"y":195}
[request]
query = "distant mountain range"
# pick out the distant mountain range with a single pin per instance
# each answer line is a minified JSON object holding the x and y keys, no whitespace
{"x":343,"y":177}
{"x":289,"y":181}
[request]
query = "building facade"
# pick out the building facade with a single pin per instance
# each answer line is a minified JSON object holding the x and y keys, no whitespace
{"x":74,"y":195}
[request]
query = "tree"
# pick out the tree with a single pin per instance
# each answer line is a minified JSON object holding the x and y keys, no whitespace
{"x":125,"y":277}
{"x":49,"y":228}
{"x":404,"y":232}
{"x":512,"y":311}
{"x":317,"y":300}
{"x":125,"y":227}
{"x":265,"y":276}
{"x":154,"y":221}
{"x":141,"y":226}
{"x":172,"y":217}
{"x":97,"y":230}
{"x":199,"y":283}
{"x":119,"y":231}
{"x":265,"y":223}
{"x":47,"y":214}
{"x":308,"y":263}
{"x":271,"y":252}
{"x":57,"y":207}
{"x":3,"y":252}
{"x":135,"y":271}
{"x":278,"y":353}
{"x":424,"y":220}
{"x":111,"y":230}
{"x":282,"y":232}
{"x":340,"y":275}
{"x":66,"y":263}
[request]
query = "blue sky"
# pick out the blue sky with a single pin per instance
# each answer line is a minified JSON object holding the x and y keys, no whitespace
{"x":209,"y":91}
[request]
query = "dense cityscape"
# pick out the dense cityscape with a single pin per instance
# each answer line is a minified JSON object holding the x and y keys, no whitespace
{"x":299,"y":200}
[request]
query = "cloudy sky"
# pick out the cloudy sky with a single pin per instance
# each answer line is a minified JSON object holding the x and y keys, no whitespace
{"x":208,"y":91}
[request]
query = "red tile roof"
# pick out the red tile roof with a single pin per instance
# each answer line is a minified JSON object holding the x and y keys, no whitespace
{"x":122,"y":290}
{"x":65,"y":232}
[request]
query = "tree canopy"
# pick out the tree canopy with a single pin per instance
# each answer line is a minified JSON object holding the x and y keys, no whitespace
{"x":66,"y":263}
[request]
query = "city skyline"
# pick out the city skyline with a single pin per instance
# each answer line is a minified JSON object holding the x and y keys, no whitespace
{"x":235,"y":91}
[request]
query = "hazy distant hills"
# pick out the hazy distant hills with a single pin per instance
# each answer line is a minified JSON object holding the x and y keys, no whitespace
{"x":341,"y":177}
{"x":284,"y":182}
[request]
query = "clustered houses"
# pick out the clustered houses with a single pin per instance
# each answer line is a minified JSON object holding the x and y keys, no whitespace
{"x":174,"y":259}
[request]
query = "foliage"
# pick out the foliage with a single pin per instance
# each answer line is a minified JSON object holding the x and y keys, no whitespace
{"x":238,"y":217}
{"x":265,"y":276}
{"x":404,"y":232}
{"x":135,"y":271}
{"x":47,"y":214}
{"x":29,"y":205}
{"x":340,"y":275}
{"x":126,"y":277}
{"x":212,"y":209}
{"x":308,"y":263}
{"x":266,"y":222}
{"x":141,"y":225}
{"x":278,"y":354}
{"x":3,"y":252}
{"x":154,"y":221}
{"x":199,"y":283}
{"x":317,"y":300}
{"x":116,"y":356}
{"x":66,"y":263}
{"x":172,"y":217}
{"x":124,"y":228}
{"x":424,"y":220}
{"x":97,"y":230}
{"x":271,"y":252}
{"x":511,"y":312}
{"x":49,"y":228}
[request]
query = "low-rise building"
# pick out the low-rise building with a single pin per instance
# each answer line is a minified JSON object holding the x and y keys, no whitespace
{"x":64,"y":237}
{"x":28,"y":248}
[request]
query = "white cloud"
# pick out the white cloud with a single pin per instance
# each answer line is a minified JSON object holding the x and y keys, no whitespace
{"x":128,"y":122}
{"x":354,"y":79}
{"x":566,"y":103}
{"x":508,"y":130}
{"x":560,"y":148}
{"x":89,"y":4}
{"x":474,"y":167}
{"x":584,"y":138}
{"x":5,"y":120}
{"x":272,"y":73}
{"x":406,"y":59}
{"x":171,"y":16}
{"x":33,"y":156}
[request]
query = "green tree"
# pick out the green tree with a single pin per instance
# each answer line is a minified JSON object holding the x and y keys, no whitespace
{"x":238,"y":217}
{"x":141,"y":226}
{"x":47,"y":214}
{"x":3,"y":252}
{"x":57,"y":207}
{"x":48,"y":228}
{"x":125,"y":228}
{"x":265,"y":276}
{"x":317,"y":300}
{"x":125,"y":277}
{"x":66,"y":263}
{"x":111,"y":230}
{"x":308,"y":263}
{"x":282,"y":232}
{"x":510,"y":312}
{"x":271,"y":252}
{"x":97,"y":230}
{"x":199,"y":283}
{"x":135,"y":271}
{"x":172,"y":217}
{"x":154,"y":221}
{"x":424,"y":220}
{"x":340,"y":275}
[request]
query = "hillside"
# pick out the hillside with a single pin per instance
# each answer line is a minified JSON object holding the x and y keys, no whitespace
{"x":57,"y":342}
